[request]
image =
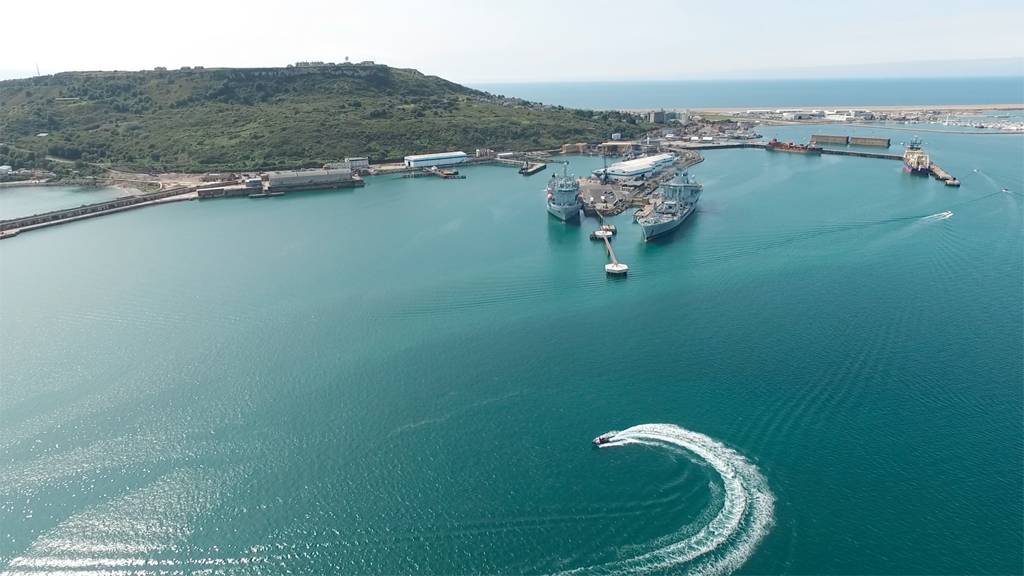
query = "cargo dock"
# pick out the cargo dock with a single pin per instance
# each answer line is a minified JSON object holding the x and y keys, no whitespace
{"x":531,"y":168}
{"x":439,"y":172}
{"x":943,"y":176}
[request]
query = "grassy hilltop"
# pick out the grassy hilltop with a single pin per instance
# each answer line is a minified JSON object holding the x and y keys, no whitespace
{"x":241,"y":119}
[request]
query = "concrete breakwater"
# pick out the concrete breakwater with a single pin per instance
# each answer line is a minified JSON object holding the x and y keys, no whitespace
{"x":74,"y":182}
{"x":859,"y":154}
{"x":14,"y":226}
{"x":818,"y":139}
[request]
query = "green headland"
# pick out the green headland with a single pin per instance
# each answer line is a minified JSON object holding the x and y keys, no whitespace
{"x":202,"y":119}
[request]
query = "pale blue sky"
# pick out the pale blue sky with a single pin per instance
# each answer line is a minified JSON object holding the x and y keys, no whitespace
{"x":527,"y":40}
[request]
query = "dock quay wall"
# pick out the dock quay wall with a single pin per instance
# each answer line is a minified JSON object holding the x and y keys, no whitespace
{"x":326,"y":185}
{"x":849,"y":140}
{"x":881,"y":155}
{"x":89,"y":209}
{"x":62,"y":182}
{"x":829,"y":139}
{"x":225,"y":191}
{"x":863,"y":141}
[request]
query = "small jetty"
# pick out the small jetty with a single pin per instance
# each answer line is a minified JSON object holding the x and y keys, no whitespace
{"x":944,"y":176}
{"x":435,"y":171}
{"x":614,"y":268}
{"x":531,"y":168}
{"x":606,"y":230}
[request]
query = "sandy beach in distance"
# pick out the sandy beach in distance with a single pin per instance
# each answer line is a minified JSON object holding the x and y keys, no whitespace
{"x":916,"y":108}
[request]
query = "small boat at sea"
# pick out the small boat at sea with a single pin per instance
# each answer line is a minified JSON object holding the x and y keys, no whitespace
{"x":603,"y":438}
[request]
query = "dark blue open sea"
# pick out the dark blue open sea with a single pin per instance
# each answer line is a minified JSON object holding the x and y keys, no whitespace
{"x":406,"y":377}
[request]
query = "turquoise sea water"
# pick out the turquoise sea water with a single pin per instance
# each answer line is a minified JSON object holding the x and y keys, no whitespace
{"x":27,"y":200}
{"x":405,"y":378}
{"x":768,"y":93}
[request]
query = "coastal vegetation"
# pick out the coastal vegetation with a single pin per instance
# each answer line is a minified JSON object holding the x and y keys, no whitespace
{"x":197,"y":119}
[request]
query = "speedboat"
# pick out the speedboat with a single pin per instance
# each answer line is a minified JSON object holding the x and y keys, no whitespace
{"x":603,"y":439}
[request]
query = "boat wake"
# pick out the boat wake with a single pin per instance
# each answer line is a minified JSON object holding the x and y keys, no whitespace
{"x":730,"y":537}
{"x":940,"y":216}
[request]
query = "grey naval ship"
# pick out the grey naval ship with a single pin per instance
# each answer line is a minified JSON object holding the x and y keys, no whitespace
{"x":564,"y":200}
{"x":679,"y":200}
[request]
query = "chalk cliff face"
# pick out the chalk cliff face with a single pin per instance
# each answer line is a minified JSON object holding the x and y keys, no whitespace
{"x":228,"y":118}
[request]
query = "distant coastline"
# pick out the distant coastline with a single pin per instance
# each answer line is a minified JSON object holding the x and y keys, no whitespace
{"x":912,"y":108}
{"x":746,"y":94}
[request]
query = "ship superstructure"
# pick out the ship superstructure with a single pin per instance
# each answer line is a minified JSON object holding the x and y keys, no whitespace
{"x":679,"y":199}
{"x":564,"y":200}
{"x":916,"y":160}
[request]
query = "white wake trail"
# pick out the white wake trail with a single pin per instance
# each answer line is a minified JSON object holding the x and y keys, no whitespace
{"x":728,"y":540}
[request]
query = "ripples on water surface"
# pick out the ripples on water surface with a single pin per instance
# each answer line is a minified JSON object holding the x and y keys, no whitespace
{"x":405,"y":378}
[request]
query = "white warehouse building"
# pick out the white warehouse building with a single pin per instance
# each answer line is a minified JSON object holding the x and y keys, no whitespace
{"x":439,"y":159}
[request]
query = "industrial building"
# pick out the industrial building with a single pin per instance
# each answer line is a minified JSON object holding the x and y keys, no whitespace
{"x":803,"y":115}
{"x":311,"y":179}
{"x":656,"y":116}
{"x":357,"y":163}
{"x":438,"y":159}
{"x":617,"y":147}
{"x":640,"y":167}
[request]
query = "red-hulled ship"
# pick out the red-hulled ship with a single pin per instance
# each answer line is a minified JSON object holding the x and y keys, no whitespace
{"x":790,"y":147}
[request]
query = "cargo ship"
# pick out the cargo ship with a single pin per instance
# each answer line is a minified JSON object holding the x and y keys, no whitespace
{"x":564,"y":200}
{"x":777,"y":146}
{"x":916,"y":160}
{"x":679,"y":201}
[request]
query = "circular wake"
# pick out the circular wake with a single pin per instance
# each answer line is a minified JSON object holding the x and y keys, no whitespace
{"x":728,"y":540}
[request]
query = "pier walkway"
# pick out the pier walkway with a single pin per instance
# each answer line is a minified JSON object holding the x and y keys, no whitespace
{"x":616,"y":268}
